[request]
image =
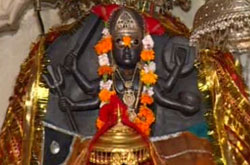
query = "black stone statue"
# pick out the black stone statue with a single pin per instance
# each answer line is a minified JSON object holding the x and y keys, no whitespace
{"x":177,"y":100}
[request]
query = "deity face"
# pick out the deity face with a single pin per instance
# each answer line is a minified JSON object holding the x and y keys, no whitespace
{"x":127,"y":57}
{"x":126,"y":23}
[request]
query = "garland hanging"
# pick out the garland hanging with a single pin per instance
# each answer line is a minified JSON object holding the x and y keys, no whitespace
{"x":145,"y":117}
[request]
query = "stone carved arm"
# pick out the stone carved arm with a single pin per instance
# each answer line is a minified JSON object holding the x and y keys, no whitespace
{"x":180,"y":57}
{"x":84,"y":105}
{"x":187,"y":103}
{"x":70,"y":65}
{"x":178,"y":63}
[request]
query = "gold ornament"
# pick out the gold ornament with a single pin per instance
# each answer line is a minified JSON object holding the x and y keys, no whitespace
{"x":120,"y":145}
{"x":229,"y":117}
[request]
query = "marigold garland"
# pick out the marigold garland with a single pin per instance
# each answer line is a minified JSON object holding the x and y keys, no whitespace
{"x":145,"y":117}
{"x":105,"y":70}
{"x":105,"y":95}
{"x":149,"y":78}
{"x":147,"y":55}
{"x":146,"y":99}
{"x":104,"y":45}
{"x":145,"y":129}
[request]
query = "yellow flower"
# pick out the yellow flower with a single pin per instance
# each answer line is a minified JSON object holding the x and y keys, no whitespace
{"x":148,"y":78}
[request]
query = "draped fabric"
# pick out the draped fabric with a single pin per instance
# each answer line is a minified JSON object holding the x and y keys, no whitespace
{"x":229,"y":118}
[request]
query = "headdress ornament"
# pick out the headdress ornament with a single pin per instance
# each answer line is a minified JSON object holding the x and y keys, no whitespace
{"x":148,"y":23}
{"x":126,"y":21}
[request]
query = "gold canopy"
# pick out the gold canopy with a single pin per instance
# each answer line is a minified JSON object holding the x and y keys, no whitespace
{"x":120,"y":145}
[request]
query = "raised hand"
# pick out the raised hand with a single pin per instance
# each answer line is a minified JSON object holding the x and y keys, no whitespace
{"x":70,"y":62}
{"x":191,"y":99}
{"x":65,"y":104}
{"x":180,"y":56}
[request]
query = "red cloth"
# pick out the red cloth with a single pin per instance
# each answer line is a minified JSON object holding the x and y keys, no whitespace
{"x":153,"y":26}
{"x":104,"y":11}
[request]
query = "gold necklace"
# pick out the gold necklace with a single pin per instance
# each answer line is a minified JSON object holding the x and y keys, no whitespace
{"x":129,"y":97}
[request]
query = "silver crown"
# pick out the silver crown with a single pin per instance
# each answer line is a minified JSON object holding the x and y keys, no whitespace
{"x":126,"y":23}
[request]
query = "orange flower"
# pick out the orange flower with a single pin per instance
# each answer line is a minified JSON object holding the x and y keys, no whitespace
{"x":105,"y":95}
{"x":143,"y":127}
{"x":105,"y":70}
{"x":146,"y":99}
{"x":144,"y":119}
{"x":148,"y":78}
{"x":99,"y":123}
{"x":104,"y":45}
{"x":147,"y":55}
{"x":127,"y":41}
{"x":146,"y":115}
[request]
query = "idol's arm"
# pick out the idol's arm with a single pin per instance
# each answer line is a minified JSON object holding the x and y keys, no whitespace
{"x":180,"y":57}
{"x":186,"y":108}
{"x":70,"y":64}
{"x":84,"y":105}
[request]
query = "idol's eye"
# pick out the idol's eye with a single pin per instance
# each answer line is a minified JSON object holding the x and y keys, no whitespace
{"x":118,"y":41}
{"x":135,"y":42}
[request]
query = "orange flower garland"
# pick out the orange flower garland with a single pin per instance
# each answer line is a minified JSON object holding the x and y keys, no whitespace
{"x":148,"y":78}
{"x":105,"y":95}
{"x":147,"y":55}
{"x":104,"y":45}
{"x":146,"y":99}
{"x":144,"y":119}
{"x":105,"y":70}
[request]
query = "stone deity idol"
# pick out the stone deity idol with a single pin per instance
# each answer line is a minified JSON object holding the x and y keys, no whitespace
{"x":128,"y":55}
{"x":176,"y":100}
{"x":127,"y":65}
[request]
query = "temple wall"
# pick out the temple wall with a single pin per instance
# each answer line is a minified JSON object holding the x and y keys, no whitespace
{"x":14,"y":46}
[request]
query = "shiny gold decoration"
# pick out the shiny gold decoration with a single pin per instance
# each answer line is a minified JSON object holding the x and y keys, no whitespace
{"x":229,"y":117}
{"x":21,"y":136}
{"x":120,"y":145}
{"x":22,"y":127}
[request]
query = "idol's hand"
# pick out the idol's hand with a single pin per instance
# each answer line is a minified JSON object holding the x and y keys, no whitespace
{"x":65,"y":104}
{"x":70,"y":63}
{"x":191,"y":99}
{"x":180,"y":56}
